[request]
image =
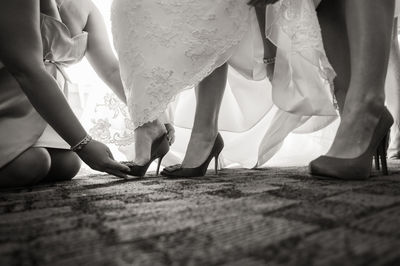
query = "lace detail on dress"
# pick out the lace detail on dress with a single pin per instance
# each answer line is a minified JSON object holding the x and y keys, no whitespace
{"x":296,"y":21}
{"x":110,"y":122}
{"x":166,"y":46}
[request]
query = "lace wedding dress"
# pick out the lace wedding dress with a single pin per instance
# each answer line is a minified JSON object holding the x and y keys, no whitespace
{"x":167,"y":47}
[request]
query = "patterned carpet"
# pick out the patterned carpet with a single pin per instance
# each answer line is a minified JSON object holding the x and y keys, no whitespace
{"x":275,"y":216}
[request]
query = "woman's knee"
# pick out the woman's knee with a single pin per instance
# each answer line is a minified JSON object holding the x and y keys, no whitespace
{"x":64,"y":165}
{"x":27,"y":169}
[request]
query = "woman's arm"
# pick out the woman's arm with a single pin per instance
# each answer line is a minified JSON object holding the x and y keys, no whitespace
{"x":269,"y":47}
{"x":22,"y":54}
{"x":100,"y":53}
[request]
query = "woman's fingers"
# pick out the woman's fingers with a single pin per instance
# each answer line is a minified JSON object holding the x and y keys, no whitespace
{"x":99,"y":157}
{"x":113,"y":168}
{"x":171,"y":139}
{"x":116,"y":166}
{"x":170,"y":133}
{"x":116,"y":173}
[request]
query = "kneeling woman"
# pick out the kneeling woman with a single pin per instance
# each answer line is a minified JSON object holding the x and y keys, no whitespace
{"x":30,"y":149}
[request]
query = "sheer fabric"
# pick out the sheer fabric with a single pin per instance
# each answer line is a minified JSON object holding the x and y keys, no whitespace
{"x":167,"y":47}
{"x":244,"y":121}
{"x":108,"y":120}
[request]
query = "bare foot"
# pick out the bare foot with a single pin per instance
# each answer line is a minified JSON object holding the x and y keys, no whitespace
{"x":199,"y":148}
{"x":144,"y":137}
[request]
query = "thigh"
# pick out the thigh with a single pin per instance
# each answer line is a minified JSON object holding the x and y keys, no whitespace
{"x":65,"y":165}
{"x":28,"y":168}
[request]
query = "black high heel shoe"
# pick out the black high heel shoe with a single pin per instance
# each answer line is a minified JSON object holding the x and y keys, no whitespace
{"x":358,"y":168}
{"x":381,"y":155}
{"x":178,"y":171}
{"x":159,"y":148}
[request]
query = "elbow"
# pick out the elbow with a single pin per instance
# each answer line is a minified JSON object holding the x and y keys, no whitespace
{"x":24,"y":70}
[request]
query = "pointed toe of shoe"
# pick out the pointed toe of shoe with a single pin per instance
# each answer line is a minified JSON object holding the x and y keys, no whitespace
{"x":170,"y":171}
{"x":318,"y":167}
{"x":345,"y":169}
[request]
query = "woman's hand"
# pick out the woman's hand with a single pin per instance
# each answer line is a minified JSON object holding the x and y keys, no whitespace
{"x":99,"y":157}
{"x":261,"y":3}
{"x":270,"y":71}
{"x":170,"y":133}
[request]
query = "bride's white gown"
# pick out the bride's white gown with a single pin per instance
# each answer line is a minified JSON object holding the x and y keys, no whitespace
{"x":167,"y":47}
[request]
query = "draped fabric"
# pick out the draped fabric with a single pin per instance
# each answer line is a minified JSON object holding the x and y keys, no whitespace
{"x":247,"y":110}
{"x":200,"y":36}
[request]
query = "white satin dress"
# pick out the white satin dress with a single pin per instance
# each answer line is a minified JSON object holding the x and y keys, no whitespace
{"x":168,"y":47}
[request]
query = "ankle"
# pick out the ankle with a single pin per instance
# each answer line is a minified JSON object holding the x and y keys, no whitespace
{"x":151,"y":125}
{"x":208,"y":135}
{"x":368,"y":105}
{"x":151,"y":129}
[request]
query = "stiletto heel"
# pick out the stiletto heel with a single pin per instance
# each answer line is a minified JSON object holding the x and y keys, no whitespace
{"x":216,"y":164}
{"x":359,"y":167}
{"x":159,"y":148}
{"x":376,"y":159}
{"x":382,"y":151}
{"x":158,"y":165}
{"x":178,"y":171}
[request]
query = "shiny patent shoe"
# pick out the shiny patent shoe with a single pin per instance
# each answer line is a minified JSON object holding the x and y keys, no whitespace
{"x":159,"y":148}
{"x":177,"y":171}
{"x":358,"y":168}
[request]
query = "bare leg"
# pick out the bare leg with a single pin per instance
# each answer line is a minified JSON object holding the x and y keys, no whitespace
{"x":209,"y":94}
{"x":64,"y":165}
{"x":392,"y":88}
{"x":27,"y":169}
{"x":332,"y":20}
{"x":369,"y":44}
{"x":40,"y":164}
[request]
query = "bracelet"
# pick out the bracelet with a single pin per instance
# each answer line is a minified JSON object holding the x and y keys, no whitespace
{"x":81,"y":144}
{"x":269,"y":61}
